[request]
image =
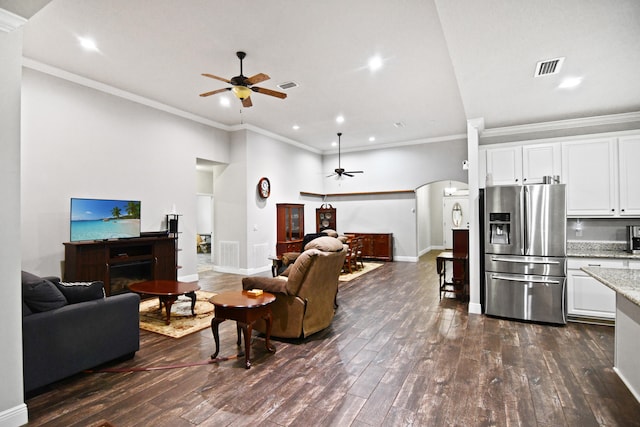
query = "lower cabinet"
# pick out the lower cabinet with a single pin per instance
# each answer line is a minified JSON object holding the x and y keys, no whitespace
{"x":587,"y":298}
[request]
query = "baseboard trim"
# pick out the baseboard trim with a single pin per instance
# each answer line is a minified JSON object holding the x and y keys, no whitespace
{"x":16,"y":416}
{"x":591,"y":320}
{"x":475,"y":308}
{"x":405,"y":258}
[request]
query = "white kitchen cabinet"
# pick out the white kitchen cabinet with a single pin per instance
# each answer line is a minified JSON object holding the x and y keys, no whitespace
{"x":587,"y":298}
{"x":522,"y":164}
{"x":629,"y":172}
{"x":540,"y":160}
{"x":589,"y":169}
{"x":504,"y":165}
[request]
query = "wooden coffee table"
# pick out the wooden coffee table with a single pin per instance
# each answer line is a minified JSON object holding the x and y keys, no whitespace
{"x":168,"y":292}
{"x":245,"y":310}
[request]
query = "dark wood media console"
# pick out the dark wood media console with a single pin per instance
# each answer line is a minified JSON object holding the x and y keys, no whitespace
{"x":118,"y":263}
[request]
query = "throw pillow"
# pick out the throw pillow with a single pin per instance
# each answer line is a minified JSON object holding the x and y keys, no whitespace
{"x":40,"y":294}
{"x":76,"y":292}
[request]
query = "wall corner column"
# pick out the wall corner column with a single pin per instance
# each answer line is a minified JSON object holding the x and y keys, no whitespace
{"x":474,"y":128}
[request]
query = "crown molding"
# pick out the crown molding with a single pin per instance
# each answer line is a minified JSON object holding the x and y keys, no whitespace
{"x":259,"y":130}
{"x":10,"y":21}
{"x":563,"y":124}
{"x":102,"y":87}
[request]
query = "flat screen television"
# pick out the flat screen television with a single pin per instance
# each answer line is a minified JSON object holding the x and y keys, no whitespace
{"x":99,"y":219}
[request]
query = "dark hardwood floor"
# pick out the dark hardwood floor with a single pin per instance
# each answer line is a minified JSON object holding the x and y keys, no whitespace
{"x":394,"y":355}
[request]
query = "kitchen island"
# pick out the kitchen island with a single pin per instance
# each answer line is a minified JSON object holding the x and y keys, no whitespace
{"x":626,"y":283}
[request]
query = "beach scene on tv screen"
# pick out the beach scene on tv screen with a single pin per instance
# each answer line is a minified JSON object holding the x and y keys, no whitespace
{"x":93,"y":219}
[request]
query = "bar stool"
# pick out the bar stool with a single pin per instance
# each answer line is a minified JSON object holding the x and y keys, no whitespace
{"x":459,"y":279}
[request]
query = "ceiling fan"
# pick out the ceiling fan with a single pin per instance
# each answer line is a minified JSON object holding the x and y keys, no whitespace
{"x":339,"y":171}
{"x":243,"y":86}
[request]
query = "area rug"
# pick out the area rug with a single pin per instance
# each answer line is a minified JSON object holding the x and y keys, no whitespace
{"x":368,"y":266}
{"x":182,"y":322}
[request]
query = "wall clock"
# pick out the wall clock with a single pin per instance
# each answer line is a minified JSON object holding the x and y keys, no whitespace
{"x":264,"y":187}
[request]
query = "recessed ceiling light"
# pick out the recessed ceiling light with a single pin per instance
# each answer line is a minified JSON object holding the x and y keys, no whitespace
{"x":295,"y":127}
{"x":334,"y":144}
{"x":224,"y":101}
{"x":88,"y":44}
{"x":570,"y":82}
{"x":372,"y":138}
{"x":375,"y":63}
{"x":340,"y":119}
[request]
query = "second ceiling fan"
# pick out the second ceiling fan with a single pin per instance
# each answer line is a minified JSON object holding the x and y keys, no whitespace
{"x":243,"y":86}
{"x":339,"y":171}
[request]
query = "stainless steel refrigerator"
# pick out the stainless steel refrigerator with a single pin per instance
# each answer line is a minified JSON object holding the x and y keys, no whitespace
{"x":525,"y":252}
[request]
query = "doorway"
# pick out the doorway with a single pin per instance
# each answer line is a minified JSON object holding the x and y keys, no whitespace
{"x":204,"y":215}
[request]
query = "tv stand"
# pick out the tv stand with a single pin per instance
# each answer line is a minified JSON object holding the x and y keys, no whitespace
{"x":118,"y":263}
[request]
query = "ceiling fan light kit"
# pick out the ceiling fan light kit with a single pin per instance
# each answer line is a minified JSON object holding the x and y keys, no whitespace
{"x":242,"y":86}
{"x":241,"y":92}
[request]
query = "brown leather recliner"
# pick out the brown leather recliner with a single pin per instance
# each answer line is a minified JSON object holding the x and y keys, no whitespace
{"x":305,"y":299}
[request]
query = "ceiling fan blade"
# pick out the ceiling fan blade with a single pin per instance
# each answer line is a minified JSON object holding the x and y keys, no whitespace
{"x":333,"y":174}
{"x":257,"y":79}
{"x":269,"y":92}
{"x":213,"y":92}
{"x":347,"y":174}
{"x":222,"y":79}
{"x":247,"y":102}
{"x":354,"y":172}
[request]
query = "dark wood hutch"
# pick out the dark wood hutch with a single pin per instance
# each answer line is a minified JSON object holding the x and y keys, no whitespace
{"x":290,"y":227}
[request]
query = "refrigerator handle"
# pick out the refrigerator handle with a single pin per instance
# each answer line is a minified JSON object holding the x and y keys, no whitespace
{"x":523,"y":221}
{"x":525,"y":279}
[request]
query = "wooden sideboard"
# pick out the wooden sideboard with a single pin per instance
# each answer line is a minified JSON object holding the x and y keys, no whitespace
{"x":117,"y":263}
{"x":377,"y":246}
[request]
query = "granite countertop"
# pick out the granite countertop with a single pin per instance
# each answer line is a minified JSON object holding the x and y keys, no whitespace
{"x":624,"y":281}
{"x":593,"y":249}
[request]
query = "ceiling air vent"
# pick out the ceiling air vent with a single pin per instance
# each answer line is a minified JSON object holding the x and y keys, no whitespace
{"x":287,"y":85}
{"x":548,"y":67}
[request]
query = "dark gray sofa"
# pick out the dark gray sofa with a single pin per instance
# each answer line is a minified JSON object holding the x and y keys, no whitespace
{"x":64,"y":336}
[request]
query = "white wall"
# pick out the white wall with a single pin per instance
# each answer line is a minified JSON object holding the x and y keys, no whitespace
{"x":401,"y":168}
{"x":78,"y":142}
{"x":12,"y":408}
{"x":289,"y":170}
{"x":423,"y":210}
{"x":230,"y":210}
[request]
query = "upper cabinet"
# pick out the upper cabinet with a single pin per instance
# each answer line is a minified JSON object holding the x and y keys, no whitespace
{"x":600,"y":171}
{"x":629,"y":154}
{"x":589,"y":170}
{"x":521,"y":164}
{"x":504,"y":165}
{"x":540,"y":160}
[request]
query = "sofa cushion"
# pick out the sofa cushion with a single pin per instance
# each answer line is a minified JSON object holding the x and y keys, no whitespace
{"x":325,"y":244}
{"x":299,"y":270}
{"x":40,"y":294}
{"x":76,"y":292}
